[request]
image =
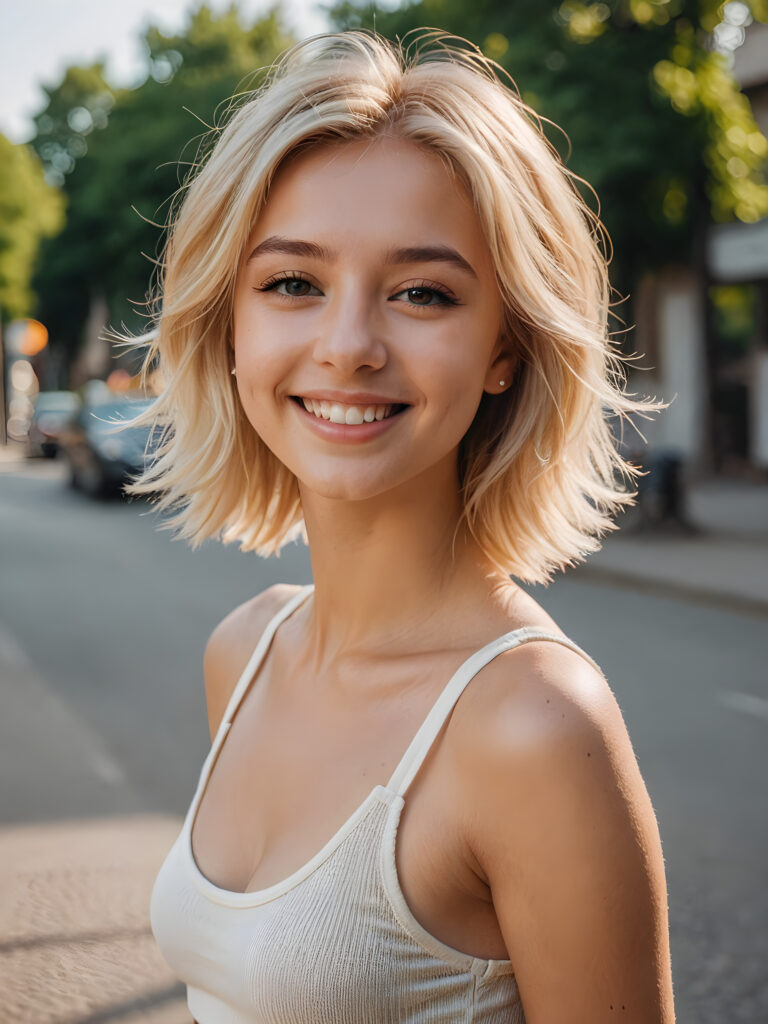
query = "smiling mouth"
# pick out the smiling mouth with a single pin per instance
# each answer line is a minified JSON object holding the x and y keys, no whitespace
{"x":351,"y":415}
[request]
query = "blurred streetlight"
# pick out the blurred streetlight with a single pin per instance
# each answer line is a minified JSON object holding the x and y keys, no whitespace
{"x":25,"y":339}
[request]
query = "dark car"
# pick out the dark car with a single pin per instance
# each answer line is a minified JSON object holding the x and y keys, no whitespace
{"x":53,"y":410}
{"x":101,"y":458}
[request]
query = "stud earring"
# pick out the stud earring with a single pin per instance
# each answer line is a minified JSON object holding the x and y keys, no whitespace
{"x":502,"y":383}
{"x":233,"y":371}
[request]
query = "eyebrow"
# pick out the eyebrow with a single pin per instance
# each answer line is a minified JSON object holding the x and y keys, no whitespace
{"x":406,"y":254}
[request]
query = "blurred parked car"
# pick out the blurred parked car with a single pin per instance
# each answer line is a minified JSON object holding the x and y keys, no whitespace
{"x":101,"y":458}
{"x":52,"y":411}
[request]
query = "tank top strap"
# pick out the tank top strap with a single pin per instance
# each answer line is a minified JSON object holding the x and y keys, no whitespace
{"x":255,"y":660}
{"x":441,"y":709}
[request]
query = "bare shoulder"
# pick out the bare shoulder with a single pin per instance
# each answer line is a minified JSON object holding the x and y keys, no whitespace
{"x":533,"y":708}
{"x":231,"y":644}
{"x":561,"y":827}
{"x":538,"y":694}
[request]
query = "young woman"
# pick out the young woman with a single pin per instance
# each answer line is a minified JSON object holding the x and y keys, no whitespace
{"x":384,"y":327}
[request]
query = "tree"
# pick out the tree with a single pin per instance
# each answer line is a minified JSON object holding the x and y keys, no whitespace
{"x":76,"y":107}
{"x":656,"y":123}
{"x":124,"y":153}
{"x":29,"y":210}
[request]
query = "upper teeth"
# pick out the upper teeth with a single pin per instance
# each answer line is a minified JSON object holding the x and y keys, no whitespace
{"x":338,"y":413}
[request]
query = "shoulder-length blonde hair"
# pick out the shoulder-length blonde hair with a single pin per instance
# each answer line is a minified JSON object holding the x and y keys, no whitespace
{"x":539,"y":468}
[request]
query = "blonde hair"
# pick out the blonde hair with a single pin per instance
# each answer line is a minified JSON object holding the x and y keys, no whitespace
{"x":539,"y":468}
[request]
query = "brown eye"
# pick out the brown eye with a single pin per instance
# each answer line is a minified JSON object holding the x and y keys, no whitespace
{"x":426,"y":297}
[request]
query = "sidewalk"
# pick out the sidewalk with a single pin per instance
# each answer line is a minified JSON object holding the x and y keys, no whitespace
{"x":11,"y":455}
{"x":723,"y":561}
{"x":75,"y":941}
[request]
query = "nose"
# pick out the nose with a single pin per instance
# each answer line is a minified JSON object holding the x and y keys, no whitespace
{"x":348,"y":336}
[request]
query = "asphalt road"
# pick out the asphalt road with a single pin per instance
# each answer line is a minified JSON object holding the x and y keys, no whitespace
{"x":103,"y":621}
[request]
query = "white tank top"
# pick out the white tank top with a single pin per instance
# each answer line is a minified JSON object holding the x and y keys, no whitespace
{"x":335,"y":942}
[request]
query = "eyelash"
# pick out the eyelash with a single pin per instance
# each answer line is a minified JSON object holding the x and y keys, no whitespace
{"x":445,"y":298}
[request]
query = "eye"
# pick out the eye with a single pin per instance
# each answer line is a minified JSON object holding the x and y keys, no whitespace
{"x":424,"y":295}
{"x":297,"y":287}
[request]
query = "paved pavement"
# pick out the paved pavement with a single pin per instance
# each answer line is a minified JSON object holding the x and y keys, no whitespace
{"x":75,"y":942}
{"x":74,"y":935}
{"x":720,"y":559}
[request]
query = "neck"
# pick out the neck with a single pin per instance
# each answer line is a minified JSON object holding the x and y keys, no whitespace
{"x":386,"y":569}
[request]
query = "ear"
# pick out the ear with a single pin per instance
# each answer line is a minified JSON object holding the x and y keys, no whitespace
{"x":500,"y":372}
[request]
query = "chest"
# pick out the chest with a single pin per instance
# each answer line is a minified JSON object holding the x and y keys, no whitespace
{"x":335,"y":944}
{"x":297,"y":765}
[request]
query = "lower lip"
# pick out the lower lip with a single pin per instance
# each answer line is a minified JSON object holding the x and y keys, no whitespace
{"x":347,"y":433}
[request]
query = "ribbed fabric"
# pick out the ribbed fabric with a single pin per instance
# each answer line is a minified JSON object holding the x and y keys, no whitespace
{"x":335,"y":942}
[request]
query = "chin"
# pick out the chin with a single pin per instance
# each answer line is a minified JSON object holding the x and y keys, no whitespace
{"x":356,"y":481}
{"x":343,"y":490}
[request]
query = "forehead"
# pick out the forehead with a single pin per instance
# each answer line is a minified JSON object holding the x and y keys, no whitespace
{"x":369,"y":193}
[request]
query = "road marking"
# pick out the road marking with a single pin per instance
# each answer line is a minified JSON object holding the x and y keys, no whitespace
{"x":11,"y":652}
{"x":745,"y":702}
{"x":106,"y":768}
{"x":13,"y":658}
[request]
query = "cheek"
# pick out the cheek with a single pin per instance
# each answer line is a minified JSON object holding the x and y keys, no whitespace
{"x":262,"y":353}
{"x":458,"y":375}
{"x":256,"y":374}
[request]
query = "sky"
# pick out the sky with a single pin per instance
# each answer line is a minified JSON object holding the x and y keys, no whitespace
{"x":40,"y":38}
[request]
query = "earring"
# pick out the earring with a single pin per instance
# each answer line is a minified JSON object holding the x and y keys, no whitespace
{"x":233,"y":371}
{"x":502,"y":383}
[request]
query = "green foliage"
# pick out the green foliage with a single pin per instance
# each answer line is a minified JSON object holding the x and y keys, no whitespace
{"x":656,"y":123}
{"x":734,"y":310}
{"x":654,"y":119}
{"x":120,"y":170}
{"x":76,"y":107}
{"x":29,"y":210}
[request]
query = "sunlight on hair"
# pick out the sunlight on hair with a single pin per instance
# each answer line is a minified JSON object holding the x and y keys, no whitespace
{"x":540,"y":471}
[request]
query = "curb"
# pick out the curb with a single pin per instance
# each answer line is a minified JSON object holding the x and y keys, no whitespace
{"x":718,"y":599}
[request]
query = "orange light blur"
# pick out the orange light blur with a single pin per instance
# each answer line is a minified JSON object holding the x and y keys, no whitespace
{"x":34,"y":338}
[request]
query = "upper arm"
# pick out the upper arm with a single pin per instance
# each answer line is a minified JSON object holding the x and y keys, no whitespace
{"x":567,"y":838}
{"x":231,"y":644}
